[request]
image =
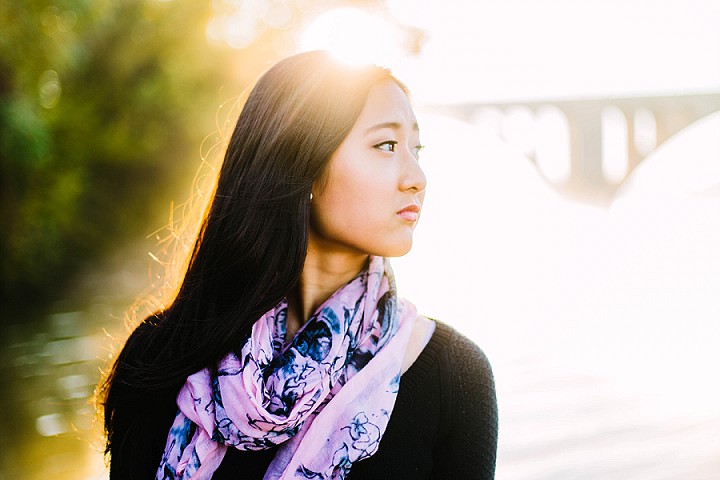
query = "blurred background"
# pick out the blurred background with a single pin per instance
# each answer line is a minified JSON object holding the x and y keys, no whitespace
{"x":571,"y":227}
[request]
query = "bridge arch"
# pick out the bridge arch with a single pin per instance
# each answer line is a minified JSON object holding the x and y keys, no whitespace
{"x":601,"y":141}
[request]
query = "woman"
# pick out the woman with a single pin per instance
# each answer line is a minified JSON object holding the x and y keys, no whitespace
{"x":286,"y":353}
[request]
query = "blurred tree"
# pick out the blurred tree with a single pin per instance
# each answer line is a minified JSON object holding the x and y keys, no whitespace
{"x":102,"y":106}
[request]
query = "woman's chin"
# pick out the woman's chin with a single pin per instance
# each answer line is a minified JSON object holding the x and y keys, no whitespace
{"x":399,"y":250}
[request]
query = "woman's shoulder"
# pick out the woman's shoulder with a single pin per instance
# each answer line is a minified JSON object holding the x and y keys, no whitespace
{"x":453,"y":351}
{"x":451,"y":388}
{"x":469,"y":415}
{"x":463,"y":370}
{"x":453,"y":368}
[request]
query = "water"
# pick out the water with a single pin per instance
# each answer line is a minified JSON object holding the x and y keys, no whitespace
{"x":50,"y":368}
{"x":50,"y":364}
{"x":603,"y":326}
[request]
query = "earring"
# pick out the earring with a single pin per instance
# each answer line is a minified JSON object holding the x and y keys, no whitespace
{"x":311,"y":196}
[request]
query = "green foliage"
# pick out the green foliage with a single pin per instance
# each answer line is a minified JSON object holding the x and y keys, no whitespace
{"x":103,"y":106}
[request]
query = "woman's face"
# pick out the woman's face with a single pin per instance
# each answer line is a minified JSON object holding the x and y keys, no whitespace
{"x":368,"y":200}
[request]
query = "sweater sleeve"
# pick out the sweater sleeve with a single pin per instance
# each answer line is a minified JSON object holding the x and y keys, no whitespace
{"x":467,"y":445}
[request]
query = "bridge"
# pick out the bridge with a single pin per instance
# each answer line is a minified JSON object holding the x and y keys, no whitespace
{"x":595,"y":143}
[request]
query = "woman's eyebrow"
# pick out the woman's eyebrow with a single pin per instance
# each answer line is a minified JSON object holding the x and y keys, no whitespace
{"x":393,"y":125}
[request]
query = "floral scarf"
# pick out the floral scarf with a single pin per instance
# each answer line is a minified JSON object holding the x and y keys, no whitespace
{"x":325,"y":398}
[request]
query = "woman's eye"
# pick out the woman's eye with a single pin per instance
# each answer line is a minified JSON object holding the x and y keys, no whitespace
{"x":418,"y":148}
{"x":388,"y":146}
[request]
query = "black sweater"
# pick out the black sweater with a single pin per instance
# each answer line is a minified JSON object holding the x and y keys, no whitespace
{"x":444,"y":424}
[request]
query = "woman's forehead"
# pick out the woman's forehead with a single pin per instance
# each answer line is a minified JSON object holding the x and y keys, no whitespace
{"x":387,"y":106}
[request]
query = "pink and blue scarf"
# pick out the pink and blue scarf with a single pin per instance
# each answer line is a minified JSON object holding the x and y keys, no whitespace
{"x":325,"y":398}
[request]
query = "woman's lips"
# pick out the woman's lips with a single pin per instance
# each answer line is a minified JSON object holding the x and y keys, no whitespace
{"x":410,"y":213}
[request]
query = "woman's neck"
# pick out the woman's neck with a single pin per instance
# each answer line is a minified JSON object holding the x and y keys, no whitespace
{"x":323,"y":273}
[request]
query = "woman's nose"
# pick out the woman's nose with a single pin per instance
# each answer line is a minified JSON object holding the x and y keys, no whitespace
{"x":413,"y":175}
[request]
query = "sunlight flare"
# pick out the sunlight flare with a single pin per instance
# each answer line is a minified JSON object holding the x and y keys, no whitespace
{"x":354,"y":36}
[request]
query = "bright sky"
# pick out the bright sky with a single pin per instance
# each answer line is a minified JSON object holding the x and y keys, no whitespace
{"x":519,"y":49}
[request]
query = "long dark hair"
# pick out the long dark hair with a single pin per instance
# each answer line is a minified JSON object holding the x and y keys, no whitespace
{"x":251,"y":248}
